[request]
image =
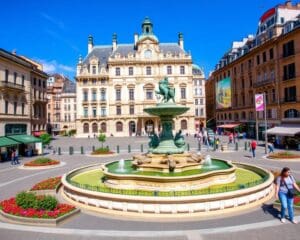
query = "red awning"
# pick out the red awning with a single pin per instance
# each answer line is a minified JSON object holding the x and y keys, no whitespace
{"x":233,"y":125}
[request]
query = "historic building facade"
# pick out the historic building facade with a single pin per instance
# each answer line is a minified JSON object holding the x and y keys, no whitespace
{"x":269,"y":63}
{"x":22,"y":95}
{"x":57,"y":86}
{"x":199,"y":97}
{"x":116,"y":82}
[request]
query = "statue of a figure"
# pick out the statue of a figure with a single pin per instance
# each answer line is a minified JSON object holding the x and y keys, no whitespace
{"x":179,"y":139}
{"x":165,"y":90}
{"x":154,"y":141}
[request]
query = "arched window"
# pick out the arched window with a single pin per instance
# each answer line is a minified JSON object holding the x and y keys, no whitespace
{"x":103,"y":127}
{"x":292,"y":113}
{"x":95,"y":127}
{"x":183,"y":124}
{"x":119,"y":126}
{"x":86,"y":128}
{"x":131,"y":127}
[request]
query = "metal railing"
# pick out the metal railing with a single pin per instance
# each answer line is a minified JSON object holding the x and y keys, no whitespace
{"x":12,"y":85}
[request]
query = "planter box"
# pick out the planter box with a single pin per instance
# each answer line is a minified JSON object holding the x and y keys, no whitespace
{"x":38,"y":221}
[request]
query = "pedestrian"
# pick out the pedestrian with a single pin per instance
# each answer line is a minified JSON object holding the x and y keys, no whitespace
{"x":17,"y":156}
{"x":270,"y":147}
{"x":285,"y":189}
{"x":230,"y":138}
{"x":12,"y":158}
{"x":253,"y":147}
{"x":217,"y":143}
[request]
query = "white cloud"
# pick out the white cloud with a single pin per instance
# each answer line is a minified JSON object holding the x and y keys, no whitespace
{"x":54,"y":67}
{"x":54,"y":21}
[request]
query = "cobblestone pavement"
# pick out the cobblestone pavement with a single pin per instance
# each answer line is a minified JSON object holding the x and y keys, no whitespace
{"x":13,"y":180}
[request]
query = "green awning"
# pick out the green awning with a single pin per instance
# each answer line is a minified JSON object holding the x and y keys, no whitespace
{"x":6,"y":142}
{"x":24,"y":138}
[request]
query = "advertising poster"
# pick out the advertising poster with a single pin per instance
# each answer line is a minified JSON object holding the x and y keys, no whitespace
{"x":259,"y":102}
{"x":223,"y":93}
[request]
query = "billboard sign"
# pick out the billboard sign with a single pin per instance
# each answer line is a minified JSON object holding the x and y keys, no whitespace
{"x":223,"y":93}
{"x":259,"y":102}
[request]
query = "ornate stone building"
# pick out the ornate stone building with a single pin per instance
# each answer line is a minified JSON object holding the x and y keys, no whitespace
{"x":116,"y":82}
{"x":22,"y":95}
{"x":269,"y":63}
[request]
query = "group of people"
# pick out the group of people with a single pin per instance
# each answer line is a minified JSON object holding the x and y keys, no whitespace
{"x":14,"y":156}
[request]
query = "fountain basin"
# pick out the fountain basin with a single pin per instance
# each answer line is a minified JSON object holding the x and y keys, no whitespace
{"x":166,"y":109}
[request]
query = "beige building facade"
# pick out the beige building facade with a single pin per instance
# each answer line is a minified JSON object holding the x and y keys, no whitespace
{"x":22,"y":95}
{"x":116,"y":82}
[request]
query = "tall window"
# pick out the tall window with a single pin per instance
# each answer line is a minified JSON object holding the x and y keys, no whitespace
{"x":290,"y":94}
{"x":118,"y":110}
{"x":264,"y":56}
{"x":271,"y":53}
{"x":131,"y":94}
{"x":149,"y":94}
{"x":288,"y":49}
{"x":103,"y":111}
{"x":130,"y":71}
{"x":15,"y":77}
{"x":148,"y":71}
{"x":273,"y":95}
{"x":85,"y":112}
{"x":94,"y":69}
{"x":289,"y":71}
{"x":119,"y":126}
{"x":103,"y":95}
{"x":169,"y":70}
{"x":23,"y":108}
{"x":257,"y":60}
{"x":86,"y":128}
{"x":94,"y":112}
{"x":103,"y":127}
{"x":183,"y":93}
{"x":118,"y":94}
{"x":183,"y":124}
{"x":85,"y":96}
{"x":131,"y":109}
{"x":6,"y":107}
{"x":15,"y":107}
{"x":94,"y":95}
{"x":118,"y":71}
{"x":6,"y":75}
{"x":182,"y":70}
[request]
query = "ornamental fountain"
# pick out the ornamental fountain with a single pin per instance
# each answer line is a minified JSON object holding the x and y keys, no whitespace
{"x":168,"y":179}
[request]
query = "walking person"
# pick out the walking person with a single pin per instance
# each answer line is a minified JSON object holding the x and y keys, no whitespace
{"x":270,"y":147}
{"x":12,"y":157}
{"x":253,"y":148}
{"x":285,"y":188}
{"x":17,"y":157}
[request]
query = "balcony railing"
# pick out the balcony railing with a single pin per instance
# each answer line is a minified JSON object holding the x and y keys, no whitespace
{"x":5,"y":84}
{"x":264,"y":82}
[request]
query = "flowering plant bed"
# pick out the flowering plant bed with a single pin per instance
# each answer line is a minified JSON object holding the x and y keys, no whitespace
{"x":41,"y":162}
{"x":285,"y":155}
{"x":11,"y":207}
{"x":102,"y":150}
{"x":48,"y":184}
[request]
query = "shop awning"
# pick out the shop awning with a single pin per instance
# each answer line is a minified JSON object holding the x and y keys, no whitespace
{"x":284,"y":131}
{"x":24,"y":138}
{"x":233,"y":125}
{"x":6,"y":142}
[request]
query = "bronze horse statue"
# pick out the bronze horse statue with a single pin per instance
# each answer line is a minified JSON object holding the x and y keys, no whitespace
{"x":165,"y":90}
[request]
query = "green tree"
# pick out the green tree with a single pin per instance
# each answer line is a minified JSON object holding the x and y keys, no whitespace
{"x":46,"y":138}
{"x":102,"y":138}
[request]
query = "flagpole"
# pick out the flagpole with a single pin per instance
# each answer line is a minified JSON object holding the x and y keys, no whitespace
{"x":266,"y":135}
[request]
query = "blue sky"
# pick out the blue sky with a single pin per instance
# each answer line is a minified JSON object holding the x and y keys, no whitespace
{"x":55,"y":32}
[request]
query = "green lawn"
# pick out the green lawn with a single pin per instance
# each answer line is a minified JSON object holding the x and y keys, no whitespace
{"x":243,"y":177}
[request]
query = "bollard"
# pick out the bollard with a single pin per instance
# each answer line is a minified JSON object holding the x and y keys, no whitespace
{"x":246,"y":146}
{"x":71,"y":150}
{"x":118,"y":149}
{"x":81,"y":150}
{"x":188,"y":147}
{"x":215,"y":146}
{"x":142,"y":148}
{"x":93,"y":148}
{"x":59,"y":151}
{"x":129,"y":148}
{"x":236,"y":146}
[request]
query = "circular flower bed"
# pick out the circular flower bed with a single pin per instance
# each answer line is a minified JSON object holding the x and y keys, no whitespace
{"x":284,"y":155}
{"x":48,"y":184}
{"x":41,"y":162}
{"x":102,"y":151}
{"x":32,"y":206}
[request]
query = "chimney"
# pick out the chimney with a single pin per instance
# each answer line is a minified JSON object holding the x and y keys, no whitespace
{"x":180,"y":40}
{"x":136,"y":37}
{"x":90,"y":43}
{"x":114,"y":41}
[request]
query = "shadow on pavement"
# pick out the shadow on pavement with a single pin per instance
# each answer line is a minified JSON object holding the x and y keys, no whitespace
{"x":269,"y":209}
